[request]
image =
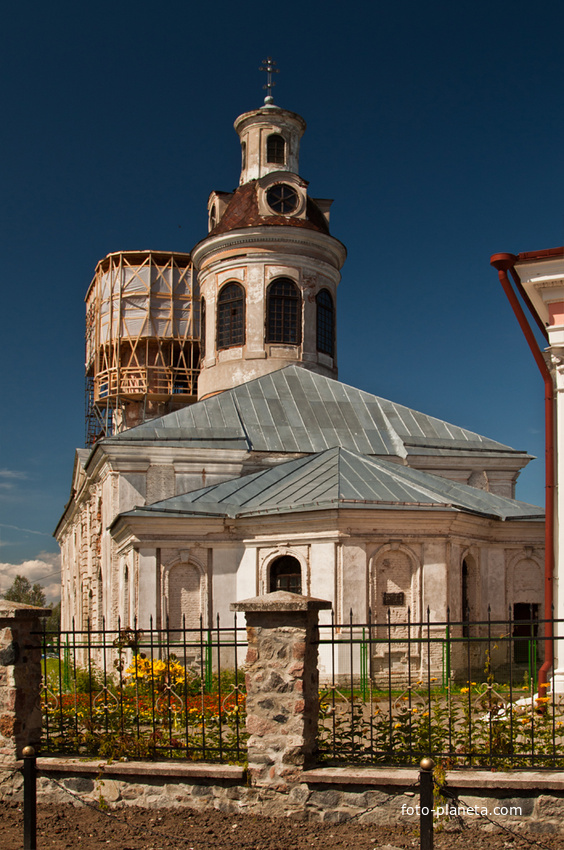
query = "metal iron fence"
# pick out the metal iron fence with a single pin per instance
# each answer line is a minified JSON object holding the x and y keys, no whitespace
{"x":144,"y":692}
{"x":390,"y":693}
{"x":461,"y":692}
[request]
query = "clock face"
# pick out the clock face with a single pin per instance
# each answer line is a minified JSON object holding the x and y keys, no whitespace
{"x":282,"y":198}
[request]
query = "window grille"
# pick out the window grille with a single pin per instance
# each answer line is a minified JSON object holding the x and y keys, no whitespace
{"x":284,"y":312}
{"x":276,"y":149}
{"x":286,"y":574}
{"x":203,"y":328}
{"x":325,"y":323}
{"x":231,"y":316}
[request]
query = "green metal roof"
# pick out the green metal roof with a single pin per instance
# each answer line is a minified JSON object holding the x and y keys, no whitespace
{"x":338,"y":478}
{"x":296,"y":410}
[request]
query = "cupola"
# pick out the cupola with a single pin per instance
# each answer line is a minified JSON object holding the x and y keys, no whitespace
{"x":270,"y":141}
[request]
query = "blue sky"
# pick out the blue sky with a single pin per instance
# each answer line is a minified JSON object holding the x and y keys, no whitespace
{"x":437,"y":128}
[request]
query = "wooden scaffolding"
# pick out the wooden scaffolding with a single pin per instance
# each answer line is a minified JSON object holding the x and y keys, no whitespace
{"x":142,"y":340}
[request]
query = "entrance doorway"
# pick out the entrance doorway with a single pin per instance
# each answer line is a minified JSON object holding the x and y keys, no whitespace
{"x":525,"y":632}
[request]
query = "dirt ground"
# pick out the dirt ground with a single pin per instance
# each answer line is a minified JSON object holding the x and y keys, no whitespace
{"x":84,"y":828}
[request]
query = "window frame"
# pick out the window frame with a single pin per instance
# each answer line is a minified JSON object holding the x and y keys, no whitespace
{"x":325,"y":323}
{"x":202,"y":328}
{"x":230,"y":331}
{"x":276,"y":567}
{"x":283,"y":321}
{"x":275,"y":153}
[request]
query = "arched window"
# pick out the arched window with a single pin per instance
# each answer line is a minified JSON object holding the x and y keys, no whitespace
{"x":125,"y":621}
{"x":231,"y":316}
{"x":213,"y":218}
{"x":276,"y":149}
{"x":469,"y":583}
{"x":243,"y":155}
{"x":203,"y":329}
{"x":286,"y":574}
{"x":100,"y":601}
{"x":325,"y":322}
{"x":283,"y":312}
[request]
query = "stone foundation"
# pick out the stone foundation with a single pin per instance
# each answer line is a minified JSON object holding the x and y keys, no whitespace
{"x":329,"y":795}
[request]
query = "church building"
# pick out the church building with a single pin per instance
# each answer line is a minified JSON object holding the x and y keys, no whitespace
{"x":226,"y":460}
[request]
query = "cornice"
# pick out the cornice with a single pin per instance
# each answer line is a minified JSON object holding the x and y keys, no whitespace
{"x":269,"y":235}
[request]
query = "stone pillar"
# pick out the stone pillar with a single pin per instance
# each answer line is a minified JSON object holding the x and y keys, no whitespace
{"x":20,"y":678}
{"x":282,"y":681}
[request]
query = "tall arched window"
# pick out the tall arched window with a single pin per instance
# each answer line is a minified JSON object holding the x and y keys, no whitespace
{"x":469,"y":584}
{"x":125,"y":621}
{"x":243,"y":155}
{"x":283,"y":312}
{"x":213,"y":218}
{"x":231,"y":316}
{"x":276,"y":149}
{"x":203,"y":329}
{"x":100,"y":601}
{"x":286,"y":574}
{"x":325,"y":322}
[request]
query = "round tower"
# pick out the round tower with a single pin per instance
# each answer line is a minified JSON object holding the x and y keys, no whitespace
{"x":270,"y":141}
{"x":268,"y":270}
{"x":142,"y":340}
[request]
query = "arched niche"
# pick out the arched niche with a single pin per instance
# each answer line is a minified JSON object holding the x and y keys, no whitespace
{"x":185,"y":594}
{"x":394,"y":584}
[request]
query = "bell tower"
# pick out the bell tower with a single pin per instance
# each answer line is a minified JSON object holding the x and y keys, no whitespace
{"x":268,"y":270}
{"x":270,"y":141}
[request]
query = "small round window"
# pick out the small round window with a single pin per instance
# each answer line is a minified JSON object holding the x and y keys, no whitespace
{"x":282,"y":198}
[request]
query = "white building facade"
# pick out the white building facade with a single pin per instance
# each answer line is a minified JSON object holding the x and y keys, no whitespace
{"x":279,"y":476}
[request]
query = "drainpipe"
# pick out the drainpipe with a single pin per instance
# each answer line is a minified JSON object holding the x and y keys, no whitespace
{"x":504,"y":263}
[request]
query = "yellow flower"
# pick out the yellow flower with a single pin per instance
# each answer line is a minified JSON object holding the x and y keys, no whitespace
{"x":464,"y":690}
{"x":397,"y":726}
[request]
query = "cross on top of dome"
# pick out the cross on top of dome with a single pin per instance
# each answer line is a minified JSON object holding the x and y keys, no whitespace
{"x":268,"y":66}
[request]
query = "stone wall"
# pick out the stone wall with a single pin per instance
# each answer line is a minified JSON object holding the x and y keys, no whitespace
{"x":331,"y":795}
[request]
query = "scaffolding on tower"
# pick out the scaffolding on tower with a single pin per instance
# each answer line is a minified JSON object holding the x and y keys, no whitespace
{"x":142,"y":340}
